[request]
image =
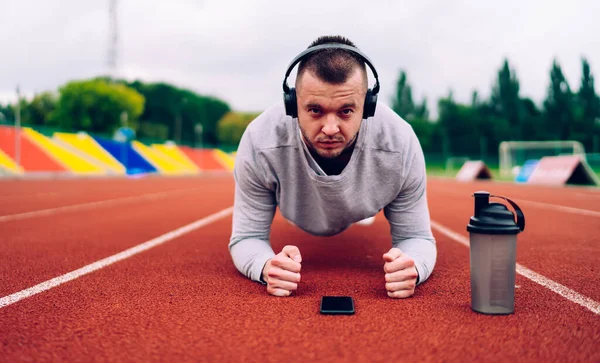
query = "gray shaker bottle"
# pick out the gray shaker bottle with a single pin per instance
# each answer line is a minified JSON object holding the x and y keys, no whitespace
{"x":493,"y":239}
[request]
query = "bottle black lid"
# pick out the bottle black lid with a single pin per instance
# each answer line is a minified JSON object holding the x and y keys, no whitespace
{"x":493,"y":218}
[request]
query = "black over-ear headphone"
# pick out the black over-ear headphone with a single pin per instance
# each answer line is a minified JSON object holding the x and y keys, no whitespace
{"x":289,"y":94}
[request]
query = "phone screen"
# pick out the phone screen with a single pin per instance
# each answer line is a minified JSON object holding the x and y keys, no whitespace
{"x":337,"y":305}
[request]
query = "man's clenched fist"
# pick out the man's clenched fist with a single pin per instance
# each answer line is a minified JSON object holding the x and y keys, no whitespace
{"x":400,"y":274}
{"x":282,"y":272}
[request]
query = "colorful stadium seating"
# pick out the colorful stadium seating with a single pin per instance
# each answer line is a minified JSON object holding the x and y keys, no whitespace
{"x":32,"y":158}
{"x":86,"y":146}
{"x":84,"y":154}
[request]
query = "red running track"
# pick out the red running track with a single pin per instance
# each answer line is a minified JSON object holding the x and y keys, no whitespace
{"x":184,"y":300}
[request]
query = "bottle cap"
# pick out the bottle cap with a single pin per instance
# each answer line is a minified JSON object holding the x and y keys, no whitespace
{"x":494,"y":218}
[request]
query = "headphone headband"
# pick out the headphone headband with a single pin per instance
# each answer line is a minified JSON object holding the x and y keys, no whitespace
{"x":316,"y":48}
{"x":289,"y":94}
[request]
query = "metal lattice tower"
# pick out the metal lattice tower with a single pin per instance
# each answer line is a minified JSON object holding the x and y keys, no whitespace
{"x":112,"y":39}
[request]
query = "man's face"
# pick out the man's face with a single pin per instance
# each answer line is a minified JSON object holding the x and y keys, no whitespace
{"x":330,"y":114}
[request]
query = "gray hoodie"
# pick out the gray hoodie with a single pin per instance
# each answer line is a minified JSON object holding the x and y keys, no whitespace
{"x":273,"y":168}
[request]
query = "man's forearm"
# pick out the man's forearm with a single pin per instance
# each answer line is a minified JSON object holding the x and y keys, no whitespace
{"x":423,"y":252}
{"x":250,"y":255}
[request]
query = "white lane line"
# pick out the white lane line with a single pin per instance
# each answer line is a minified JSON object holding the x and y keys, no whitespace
{"x":83,"y":206}
{"x":47,"y":285}
{"x":561,"y":208}
{"x":561,"y":290}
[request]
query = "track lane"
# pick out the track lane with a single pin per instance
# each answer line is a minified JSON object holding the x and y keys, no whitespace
{"x":34,"y":195}
{"x":33,"y":251}
{"x":583,"y":198}
{"x":185,"y":300}
{"x":32,"y":186}
{"x":561,"y":246}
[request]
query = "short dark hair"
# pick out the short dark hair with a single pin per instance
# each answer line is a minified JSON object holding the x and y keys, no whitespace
{"x":332,"y":65}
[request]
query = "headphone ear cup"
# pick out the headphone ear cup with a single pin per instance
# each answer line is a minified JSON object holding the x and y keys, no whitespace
{"x":370,"y":104}
{"x":291,"y":105}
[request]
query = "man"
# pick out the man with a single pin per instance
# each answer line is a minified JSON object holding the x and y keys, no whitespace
{"x":326,"y":168}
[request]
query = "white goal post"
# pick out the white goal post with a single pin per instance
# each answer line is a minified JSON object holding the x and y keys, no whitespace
{"x":508,"y":151}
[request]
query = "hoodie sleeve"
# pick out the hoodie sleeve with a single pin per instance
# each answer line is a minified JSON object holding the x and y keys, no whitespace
{"x":253,"y":211}
{"x":408,"y":214}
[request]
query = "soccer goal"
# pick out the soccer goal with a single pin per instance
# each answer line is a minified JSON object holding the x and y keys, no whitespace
{"x":516,"y":153}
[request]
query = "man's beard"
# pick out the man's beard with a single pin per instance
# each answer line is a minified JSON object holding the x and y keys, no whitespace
{"x":327,"y":154}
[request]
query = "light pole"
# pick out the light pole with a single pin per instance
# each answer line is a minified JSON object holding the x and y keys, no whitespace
{"x":179,"y":121}
{"x":124,"y":118}
{"x":177,"y":132}
{"x":199,"y":129}
{"x":124,"y":146}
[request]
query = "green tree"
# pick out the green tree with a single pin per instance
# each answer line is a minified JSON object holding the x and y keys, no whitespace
{"x":473,"y":130}
{"x":181,"y":111}
{"x":24,"y":110}
{"x":587,"y":109}
{"x":505,"y":100}
{"x":163,"y":110}
{"x":402,"y":103}
{"x":425,"y":131}
{"x":460,"y":127}
{"x":475,"y":102}
{"x":493,"y":129}
{"x":232,"y":125}
{"x":40,"y":109}
{"x":7,"y":114}
{"x":421,"y":111}
{"x":558,"y":106}
{"x":417,"y":115}
{"x":96,"y":106}
{"x":532,"y":123}
{"x":214,"y":109}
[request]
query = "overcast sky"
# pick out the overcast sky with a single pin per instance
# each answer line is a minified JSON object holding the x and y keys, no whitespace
{"x":239,"y":50}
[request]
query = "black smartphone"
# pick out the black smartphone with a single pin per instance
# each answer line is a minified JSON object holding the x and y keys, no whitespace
{"x":336,"y":305}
